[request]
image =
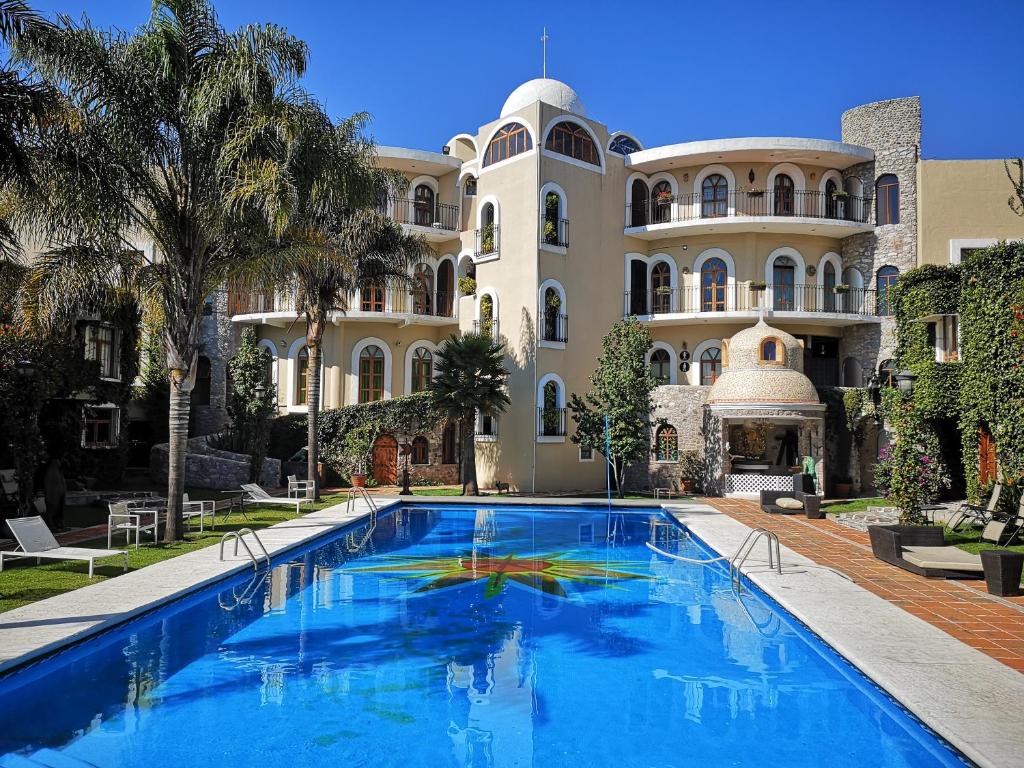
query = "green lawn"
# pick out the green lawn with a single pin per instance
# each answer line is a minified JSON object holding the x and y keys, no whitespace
{"x":23,"y":582}
{"x":855,"y":505}
{"x":970,"y":541}
{"x":436,"y":491}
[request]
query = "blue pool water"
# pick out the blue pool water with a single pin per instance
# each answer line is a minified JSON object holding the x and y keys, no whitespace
{"x":465,"y":637}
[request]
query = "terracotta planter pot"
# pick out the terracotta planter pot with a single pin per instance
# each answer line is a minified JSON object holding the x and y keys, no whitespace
{"x":688,"y":486}
{"x":842,"y":490}
{"x":358,"y":481}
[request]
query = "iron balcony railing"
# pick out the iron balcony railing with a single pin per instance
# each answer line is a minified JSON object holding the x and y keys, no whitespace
{"x":554,"y":231}
{"x":555,"y":327}
{"x":745,"y":297}
{"x":551,"y":422}
{"x":691,"y":207}
{"x":486,"y":327}
{"x":487,"y":240}
{"x":421,"y":213}
{"x":414,"y":301}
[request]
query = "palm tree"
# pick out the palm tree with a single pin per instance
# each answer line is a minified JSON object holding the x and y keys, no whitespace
{"x":335,"y":242}
{"x":470,"y":378}
{"x":176,"y":135}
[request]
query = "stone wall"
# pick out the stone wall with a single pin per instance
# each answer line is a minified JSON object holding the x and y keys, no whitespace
{"x":435,"y":472}
{"x":892,"y":129}
{"x":207,"y":467}
{"x":219,"y":339}
{"x":682,"y":406}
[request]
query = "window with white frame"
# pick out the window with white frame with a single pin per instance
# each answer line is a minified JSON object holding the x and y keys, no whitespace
{"x":486,"y":425}
{"x":100,"y":426}
{"x":586,"y":454}
{"x":944,"y":336}
{"x":102,"y":345}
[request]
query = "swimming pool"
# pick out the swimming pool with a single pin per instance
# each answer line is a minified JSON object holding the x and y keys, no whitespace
{"x":478,"y":637}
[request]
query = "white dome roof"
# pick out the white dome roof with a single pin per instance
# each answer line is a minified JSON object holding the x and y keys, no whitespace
{"x":553,"y":92}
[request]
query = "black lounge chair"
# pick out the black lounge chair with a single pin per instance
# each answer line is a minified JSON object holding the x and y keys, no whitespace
{"x":922,"y":549}
{"x":803,"y":491}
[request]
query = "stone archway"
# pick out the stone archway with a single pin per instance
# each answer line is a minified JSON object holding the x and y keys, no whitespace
{"x":385,"y":460}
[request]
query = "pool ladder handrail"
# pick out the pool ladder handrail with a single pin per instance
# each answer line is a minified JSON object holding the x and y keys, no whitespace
{"x":361,"y":493}
{"x":743,"y":552}
{"x":248,"y":592}
{"x":354,"y":492}
{"x":239,"y":538}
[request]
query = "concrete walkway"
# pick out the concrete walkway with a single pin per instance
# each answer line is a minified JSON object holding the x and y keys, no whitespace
{"x":34,"y":630}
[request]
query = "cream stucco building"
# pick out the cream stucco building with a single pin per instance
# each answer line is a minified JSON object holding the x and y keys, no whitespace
{"x":568,"y":224}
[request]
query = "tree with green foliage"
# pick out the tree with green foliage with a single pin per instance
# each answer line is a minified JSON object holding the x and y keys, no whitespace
{"x":335,"y":243}
{"x":622,"y":387}
{"x":1016,"y":200}
{"x":251,"y":401}
{"x":470,"y":378}
{"x":178,"y":134}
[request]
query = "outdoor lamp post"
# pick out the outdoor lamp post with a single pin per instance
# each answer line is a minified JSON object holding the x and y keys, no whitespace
{"x":905,"y":381}
{"x":875,"y":393}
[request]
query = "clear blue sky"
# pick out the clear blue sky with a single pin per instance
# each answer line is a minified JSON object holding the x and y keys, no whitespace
{"x":666,"y":71}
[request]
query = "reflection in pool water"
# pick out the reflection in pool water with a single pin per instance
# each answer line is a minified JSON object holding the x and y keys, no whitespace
{"x":483,"y":638}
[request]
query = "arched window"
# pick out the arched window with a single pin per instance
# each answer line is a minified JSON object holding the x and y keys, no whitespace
{"x":784,"y":195}
{"x":552,"y":217}
{"x":371,"y":374}
{"x":552,"y":315}
{"x":828,"y":286}
{"x":714,"y":196}
{"x":422,"y":369}
{"x":420,"y":450}
{"x":661,"y":289}
{"x":710,"y":365}
{"x":488,"y":235}
{"x":830,"y":199}
{"x":423,"y":204}
{"x":887,"y":373}
{"x":666,"y":443}
{"x":784,"y":283}
{"x":469,"y":186}
{"x":423,"y":290}
{"x":623,"y":145}
{"x":661,"y":202}
{"x":511,"y":140}
{"x":772,"y":351}
{"x":201,"y":389}
{"x":573,"y":141}
{"x":445,"y":288}
{"x":885,"y":280}
{"x":486,"y":323}
{"x":552,"y":419}
{"x":713,"y":278}
{"x":638,"y":204}
{"x":661,"y":366}
{"x":301,"y":376}
{"x":887,"y":200}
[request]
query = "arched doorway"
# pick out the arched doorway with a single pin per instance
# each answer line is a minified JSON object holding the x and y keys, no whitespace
{"x":385,"y":460}
{"x":445,"y":288}
{"x":987,"y":463}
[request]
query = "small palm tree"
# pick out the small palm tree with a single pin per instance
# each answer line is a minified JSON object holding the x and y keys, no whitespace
{"x":470,"y":378}
{"x":176,"y":134}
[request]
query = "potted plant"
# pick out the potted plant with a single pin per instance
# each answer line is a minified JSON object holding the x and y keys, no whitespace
{"x":467,"y":286}
{"x":550,"y":232}
{"x":357,"y":448}
{"x":843,"y":487}
{"x":663,"y":198}
{"x":755,"y":192}
{"x":841,"y":288}
{"x":758,"y":285}
{"x":691,"y":466}
{"x":840,"y":194}
{"x":487,"y":238}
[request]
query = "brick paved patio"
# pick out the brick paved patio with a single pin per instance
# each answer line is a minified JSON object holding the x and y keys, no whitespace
{"x":963,"y":609}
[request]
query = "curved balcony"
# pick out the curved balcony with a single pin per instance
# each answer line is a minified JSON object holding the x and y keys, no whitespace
{"x":796,"y":211}
{"x":745,"y":302}
{"x":398,"y":306}
{"x":436,"y":222}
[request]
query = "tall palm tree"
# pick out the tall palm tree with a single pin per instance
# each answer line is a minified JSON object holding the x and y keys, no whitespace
{"x":335,"y":241}
{"x":470,"y":378}
{"x":159,"y":146}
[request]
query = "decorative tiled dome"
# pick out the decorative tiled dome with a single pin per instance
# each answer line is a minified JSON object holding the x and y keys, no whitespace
{"x":553,"y":92}
{"x":749,"y":378}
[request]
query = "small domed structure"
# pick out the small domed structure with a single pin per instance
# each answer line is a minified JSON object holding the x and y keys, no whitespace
{"x":553,"y":92}
{"x":764,"y":367}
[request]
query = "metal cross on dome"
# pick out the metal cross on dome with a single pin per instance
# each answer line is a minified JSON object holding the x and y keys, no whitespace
{"x":544,"y":45}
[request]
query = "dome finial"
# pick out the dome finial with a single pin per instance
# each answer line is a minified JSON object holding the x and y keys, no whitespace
{"x":544,"y":43}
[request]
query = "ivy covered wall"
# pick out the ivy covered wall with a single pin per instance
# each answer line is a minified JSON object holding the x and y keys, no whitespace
{"x":985,"y":386}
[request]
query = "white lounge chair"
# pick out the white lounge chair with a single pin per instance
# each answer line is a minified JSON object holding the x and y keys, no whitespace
{"x":298,"y":488}
{"x":35,"y":540}
{"x":260,"y":496}
{"x":200,"y":509}
{"x":124,"y":517}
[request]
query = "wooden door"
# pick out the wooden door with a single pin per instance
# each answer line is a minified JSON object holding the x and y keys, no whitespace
{"x":986,"y":457}
{"x":385,"y":460}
